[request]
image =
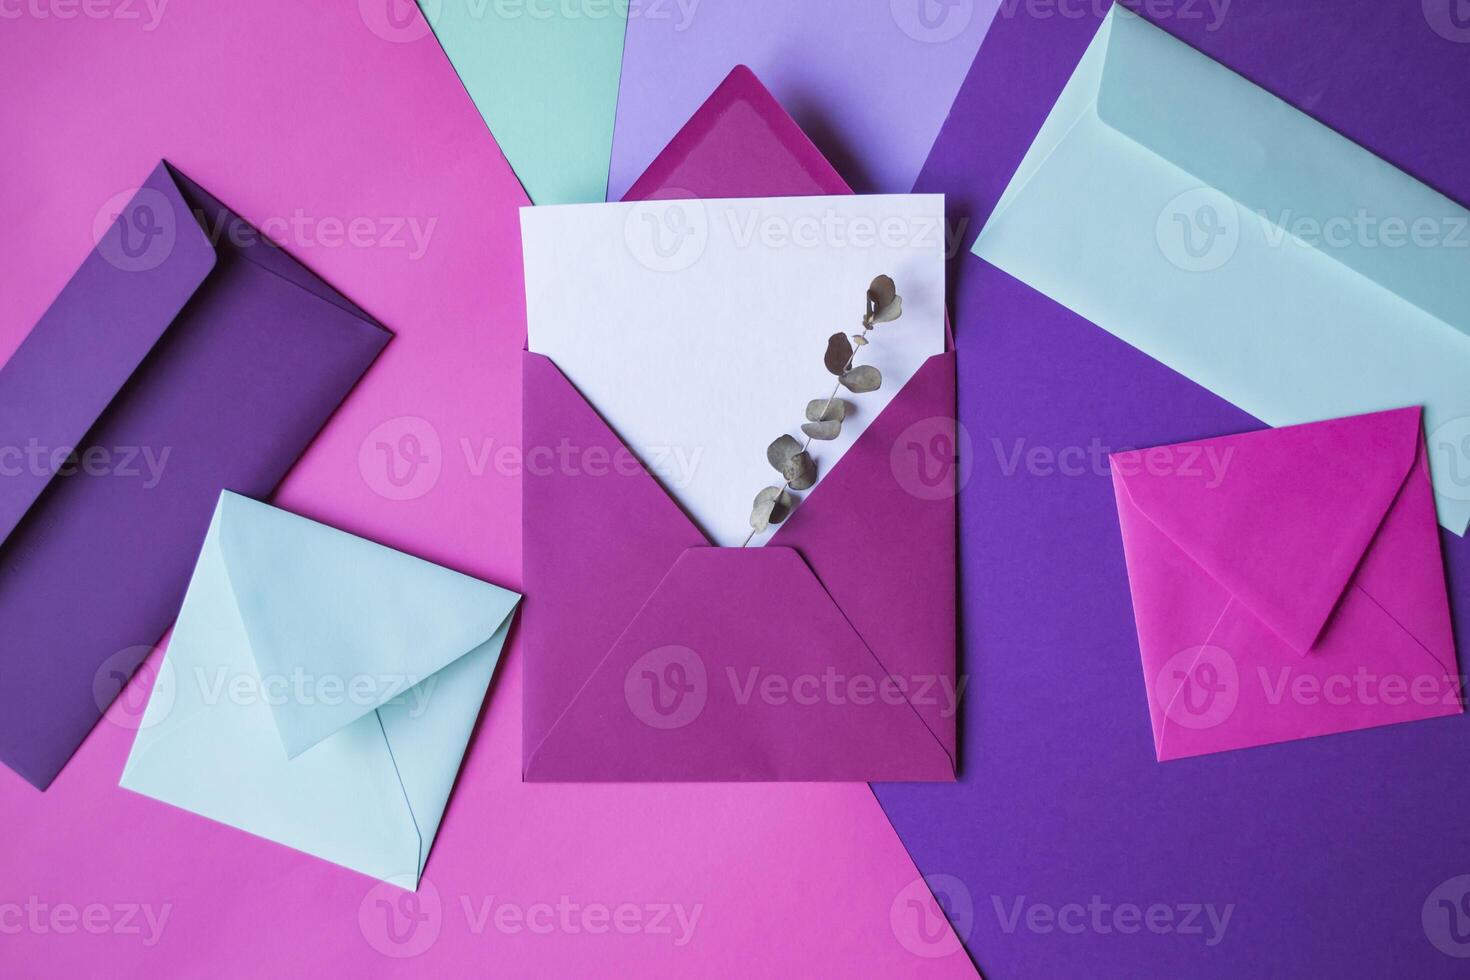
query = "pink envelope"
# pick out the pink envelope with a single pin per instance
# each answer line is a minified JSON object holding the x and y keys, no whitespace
{"x":1287,"y":583}
{"x":828,"y":654}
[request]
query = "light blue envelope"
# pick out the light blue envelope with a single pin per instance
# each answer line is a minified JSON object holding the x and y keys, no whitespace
{"x":544,"y":76}
{"x":1221,"y":231}
{"x":319,"y":690}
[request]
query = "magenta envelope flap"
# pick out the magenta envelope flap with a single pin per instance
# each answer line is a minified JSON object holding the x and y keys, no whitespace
{"x":602,"y":543}
{"x":1281,"y":518}
{"x":740,"y":143}
{"x":881,"y":533}
{"x":740,"y":666}
{"x":598,"y":540}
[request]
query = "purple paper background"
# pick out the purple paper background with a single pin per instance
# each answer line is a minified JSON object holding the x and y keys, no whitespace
{"x":1328,"y":849}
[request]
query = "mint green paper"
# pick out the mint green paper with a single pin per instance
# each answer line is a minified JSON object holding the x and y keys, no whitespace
{"x":1221,"y":231}
{"x":367,"y":665}
{"x":545,"y":78}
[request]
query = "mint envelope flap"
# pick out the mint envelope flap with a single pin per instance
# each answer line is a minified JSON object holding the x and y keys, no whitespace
{"x":343,"y":624}
{"x":208,"y":743}
{"x":67,"y":371}
{"x":1277,"y":162}
{"x":1281,"y":518}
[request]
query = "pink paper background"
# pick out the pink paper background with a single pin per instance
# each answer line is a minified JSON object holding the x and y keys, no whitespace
{"x":312,"y":113}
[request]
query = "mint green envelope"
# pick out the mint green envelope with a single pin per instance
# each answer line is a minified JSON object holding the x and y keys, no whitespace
{"x":319,"y":690}
{"x":1247,"y":246}
{"x":545,"y":78}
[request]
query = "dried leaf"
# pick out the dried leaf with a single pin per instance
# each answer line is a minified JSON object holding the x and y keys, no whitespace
{"x":881,"y":292}
{"x":884,"y":303}
{"x":839,"y":353}
{"x":858,"y":340}
{"x":862,"y":379}
{"x":890,"y":312}
{"x":772,"y":506}
{"x":826,"y":410}
{"x":825,"y":431}
{"x":800,"y":472}
{"x":780,"y":452}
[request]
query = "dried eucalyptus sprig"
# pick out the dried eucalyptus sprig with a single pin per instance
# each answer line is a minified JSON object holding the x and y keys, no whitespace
{"x":824,"y":416}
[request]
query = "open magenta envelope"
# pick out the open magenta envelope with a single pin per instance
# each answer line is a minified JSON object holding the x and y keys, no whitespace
{"x":635,"y":626}
{"x":1287,"y":583}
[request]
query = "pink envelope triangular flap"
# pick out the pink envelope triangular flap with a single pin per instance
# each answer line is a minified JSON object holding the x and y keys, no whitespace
{"x":1280,"y":517}
{"x":740,"y":143}
{"x":600,"y":533}
{"x":1218,"y":678}
{"x":740,"y":667}
{"x":880,"y":532}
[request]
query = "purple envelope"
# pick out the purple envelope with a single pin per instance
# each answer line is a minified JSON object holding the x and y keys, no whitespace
{"x":648,"y":652}
{"x":187,"y":355}
{"x":1066,"y":849}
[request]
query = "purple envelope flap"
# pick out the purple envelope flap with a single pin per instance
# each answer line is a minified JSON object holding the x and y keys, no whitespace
{"x":741,"y":666}
{"x":1280,"y":517}
{"x":102,"y":326}
{"x":233,"y":235}
{"x":740,"y":143}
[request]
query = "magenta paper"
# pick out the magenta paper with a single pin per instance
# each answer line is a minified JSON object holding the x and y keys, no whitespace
{"x":301,"y":115}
